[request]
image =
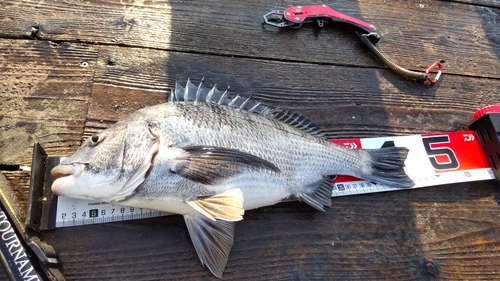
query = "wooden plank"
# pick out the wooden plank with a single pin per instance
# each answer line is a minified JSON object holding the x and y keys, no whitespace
{"x":345,"y":101}
{"x":127,"y":79}
{"x":20,"y":183}
{"x":43,"y":96}
{"x":415,"y":34}
{"x":459,"y":244}
{"x":444,"y":233}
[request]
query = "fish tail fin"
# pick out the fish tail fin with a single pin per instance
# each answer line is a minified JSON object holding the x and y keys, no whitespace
{"x":386,"y":167}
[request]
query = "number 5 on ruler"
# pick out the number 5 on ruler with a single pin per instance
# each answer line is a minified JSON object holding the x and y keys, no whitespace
{"x":442,"y":158}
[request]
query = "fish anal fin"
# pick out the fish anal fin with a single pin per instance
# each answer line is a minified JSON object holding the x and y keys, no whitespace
{"x":321,"y":197}
{"x":212,"y":241}
{"x":227,"y":206}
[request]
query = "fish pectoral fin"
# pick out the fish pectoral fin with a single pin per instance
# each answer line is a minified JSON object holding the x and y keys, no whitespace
{"x":212,"y":240}
{"x":227,"y":206}
{"x":321,"y":197}
{"x":208,"y":164}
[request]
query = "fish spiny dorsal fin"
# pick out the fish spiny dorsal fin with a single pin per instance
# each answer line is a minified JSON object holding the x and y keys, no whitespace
{"x":254,"y":107}
{"x":177,"y":94}
{"x":223,"y":97}
{"x":186,"y":90}
{"x":233,"y":101}
{"x":187,"y":94}
{"x":242,"y":106}
{"x":201,"y":93}
{"x":210,"y":95}
{"x":191,"y":92}
{"x":173,"y":95}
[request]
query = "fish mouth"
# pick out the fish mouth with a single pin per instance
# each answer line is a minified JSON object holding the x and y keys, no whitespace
{"x":61,"y":171}
{"x":62,"y":174}
{"x":72,"y":181}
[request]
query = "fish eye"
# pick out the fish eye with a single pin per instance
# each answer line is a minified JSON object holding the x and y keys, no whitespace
{"x":95,"y":139}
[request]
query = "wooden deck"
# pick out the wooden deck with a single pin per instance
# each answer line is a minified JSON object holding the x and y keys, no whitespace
{"x":70,"y":68}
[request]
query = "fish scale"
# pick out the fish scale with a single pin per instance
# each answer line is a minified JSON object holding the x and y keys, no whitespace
{"x":244,"y":133}
{"x":284,"y":145}
{"x":208,"y":156}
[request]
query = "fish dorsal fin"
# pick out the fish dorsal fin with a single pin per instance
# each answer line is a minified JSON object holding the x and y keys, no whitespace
{"x":298,"y":121}
{"x":227,"y":206}
{"x":212,"y":240}
{"x":201,"y":93}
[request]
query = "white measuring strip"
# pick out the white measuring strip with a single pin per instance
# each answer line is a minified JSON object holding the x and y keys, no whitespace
{"x":433,"y":159}
{"x":73,"y":212}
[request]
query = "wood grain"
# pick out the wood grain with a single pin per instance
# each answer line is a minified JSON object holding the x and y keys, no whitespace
{"x":20,"y":183}
{"x":413,"y":33}
{"x":43,"y":96}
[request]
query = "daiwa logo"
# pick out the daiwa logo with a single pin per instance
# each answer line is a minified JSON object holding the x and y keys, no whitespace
{"x":351,"y":145}
{"x":469,"y":137}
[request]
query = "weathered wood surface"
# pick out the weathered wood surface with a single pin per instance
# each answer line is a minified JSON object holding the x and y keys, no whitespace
{"x":428,"y":28}
{"x":71,"y":68}
{"x":44,"y":96}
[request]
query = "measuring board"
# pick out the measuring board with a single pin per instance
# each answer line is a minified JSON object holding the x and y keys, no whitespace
{"x":433,"y":159}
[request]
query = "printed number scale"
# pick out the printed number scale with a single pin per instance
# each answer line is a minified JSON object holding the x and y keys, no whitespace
{"x":434,"y":159}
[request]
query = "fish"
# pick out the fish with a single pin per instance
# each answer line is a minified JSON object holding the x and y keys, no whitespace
{"x":209,"y":156}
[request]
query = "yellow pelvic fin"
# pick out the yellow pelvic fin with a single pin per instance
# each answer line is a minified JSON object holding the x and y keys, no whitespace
{"x":227,"y":206}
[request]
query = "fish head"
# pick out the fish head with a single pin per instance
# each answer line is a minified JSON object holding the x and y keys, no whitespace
{"x":109,"y":165}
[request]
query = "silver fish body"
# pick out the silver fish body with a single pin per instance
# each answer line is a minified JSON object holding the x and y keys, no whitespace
{"x":209,"y":157}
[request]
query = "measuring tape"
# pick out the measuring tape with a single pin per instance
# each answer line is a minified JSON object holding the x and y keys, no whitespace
{"x":433,"y":159}
{"x":73,"y":212}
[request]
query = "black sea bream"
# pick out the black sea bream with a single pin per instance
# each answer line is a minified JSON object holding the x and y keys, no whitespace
{"x":209,"y":157}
